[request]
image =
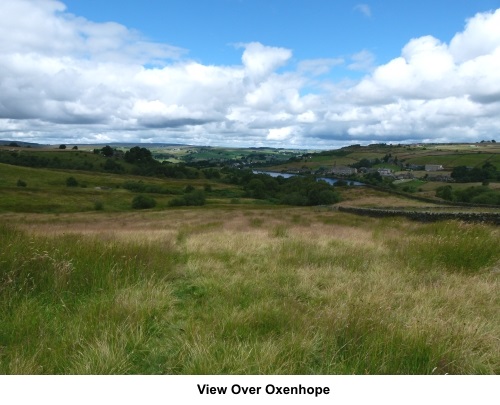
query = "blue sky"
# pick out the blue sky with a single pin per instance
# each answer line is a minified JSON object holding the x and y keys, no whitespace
{"x":209,"y":29}
{"x":285,"y":73}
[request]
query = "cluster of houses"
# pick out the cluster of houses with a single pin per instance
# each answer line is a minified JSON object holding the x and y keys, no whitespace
{"x":344,"y":171}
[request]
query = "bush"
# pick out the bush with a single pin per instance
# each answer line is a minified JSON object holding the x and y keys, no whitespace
{"x":445,"y":192}
{"x":98,"y":205}
{"x":71,"y":182}
{"x":21,"y":183}
{"x":141,"y":202}
{"x":193,"y":198}
{"x":112,"y":166}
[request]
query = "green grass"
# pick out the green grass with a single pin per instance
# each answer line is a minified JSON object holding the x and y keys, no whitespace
{"x":75,"y":159}
{"x":473,"y":159}
{"x":89,"y":286}
{"x":46,"y":190}
{"x":247,"y":291}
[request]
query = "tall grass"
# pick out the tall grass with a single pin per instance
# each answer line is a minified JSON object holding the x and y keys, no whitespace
{"x":255,"y":292}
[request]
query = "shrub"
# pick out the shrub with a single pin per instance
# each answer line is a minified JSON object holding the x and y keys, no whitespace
{"x":98,"y":205}
{"x":112,"y":166}
{"x":141,"y":202}
{"x":193,"y":198}
{"x":196,"y":197}
{"x":21,"y":183}
{"x":71,"y":182}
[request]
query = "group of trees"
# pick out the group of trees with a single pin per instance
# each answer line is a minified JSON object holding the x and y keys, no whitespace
{"x":296,"y":190}
{"x":487,"y":172}
{"x":472,"y":195}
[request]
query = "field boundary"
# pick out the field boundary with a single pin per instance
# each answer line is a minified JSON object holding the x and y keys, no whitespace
{"x":425,"y":216}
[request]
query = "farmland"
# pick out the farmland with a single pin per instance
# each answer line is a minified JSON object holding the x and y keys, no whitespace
{"x":241,"y":283}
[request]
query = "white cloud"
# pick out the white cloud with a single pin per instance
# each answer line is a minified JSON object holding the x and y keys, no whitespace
{"x":317,"y":67}
{"x":66,"y":79}
{"x":307,"y":117}
{"x":43,"y":27}
{"x":362,"y":61}
{"x":481,"y":37}
{"x":280,"y":134}
{"x":260,"y":60}
{"x":364,"y":9}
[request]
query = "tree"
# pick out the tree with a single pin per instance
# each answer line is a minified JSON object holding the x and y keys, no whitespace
{"x":459,"y":173}
{"x":489,"y":170}
{"x":445,"y":192}
{"x":137,"y":155}
{"x":75,"y":147}
{"x":107,"y":151}
{"x":112,"y":166}
{"x":62,"y":146}
{"x":256,"y":188}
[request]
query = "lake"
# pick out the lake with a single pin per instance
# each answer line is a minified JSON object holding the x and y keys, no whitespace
{"x":327,"y":179}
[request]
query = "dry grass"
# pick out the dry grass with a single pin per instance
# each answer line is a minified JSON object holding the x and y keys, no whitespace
{"x":255,"y":291}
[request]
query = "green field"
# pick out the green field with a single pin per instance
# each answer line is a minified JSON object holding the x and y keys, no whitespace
{"x":240,"y":285}
{"x":247,"y":291}
{"x":453,"y":160}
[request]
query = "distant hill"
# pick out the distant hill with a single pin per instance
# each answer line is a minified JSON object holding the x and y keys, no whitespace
{"x":21,"y":144}
{"x":131,"y":144}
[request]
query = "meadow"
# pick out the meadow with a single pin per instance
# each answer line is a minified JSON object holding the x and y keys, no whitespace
{"x":244,"y":289}
{"x":239,"y":285}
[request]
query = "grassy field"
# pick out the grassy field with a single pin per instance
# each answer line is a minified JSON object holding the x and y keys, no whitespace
{"x":46,"y":190}
{"x":472,"y":155}
{"x":90,"y":286}
{"x":246,"y":290}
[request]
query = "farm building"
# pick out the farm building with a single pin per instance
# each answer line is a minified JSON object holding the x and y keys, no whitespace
{"x":343,"y":171}
{"x":433,"y":168}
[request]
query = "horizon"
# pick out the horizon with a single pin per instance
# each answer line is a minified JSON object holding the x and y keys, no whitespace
{"x":237,"y":73}
{"x":170,"y":144}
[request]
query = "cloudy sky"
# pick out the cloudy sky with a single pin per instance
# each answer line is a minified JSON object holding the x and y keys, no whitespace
{"x":283,"y":73}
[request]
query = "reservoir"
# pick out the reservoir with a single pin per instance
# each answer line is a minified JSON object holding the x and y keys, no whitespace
{"x":331,"y":181}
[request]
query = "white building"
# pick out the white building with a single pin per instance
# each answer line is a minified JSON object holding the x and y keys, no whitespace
{"x":433,"y":168}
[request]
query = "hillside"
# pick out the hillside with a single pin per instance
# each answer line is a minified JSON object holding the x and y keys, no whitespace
{"x":109,"y":176}
{"x":205,"y":267}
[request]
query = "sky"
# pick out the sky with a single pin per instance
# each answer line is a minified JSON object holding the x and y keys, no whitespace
{"x":315,"y":74}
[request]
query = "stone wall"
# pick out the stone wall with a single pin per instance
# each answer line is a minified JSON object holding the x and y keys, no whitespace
{"x":426,"y":216}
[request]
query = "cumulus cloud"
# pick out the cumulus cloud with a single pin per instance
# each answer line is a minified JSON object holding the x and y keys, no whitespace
{"x":43,"y":27}
{"x":259,"y":60}
{"x":280,"y":134}
{"x":481,"y":37}
{"x":66,"y":79}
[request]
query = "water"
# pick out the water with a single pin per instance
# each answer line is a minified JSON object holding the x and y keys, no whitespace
{"x":327,"y":179}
